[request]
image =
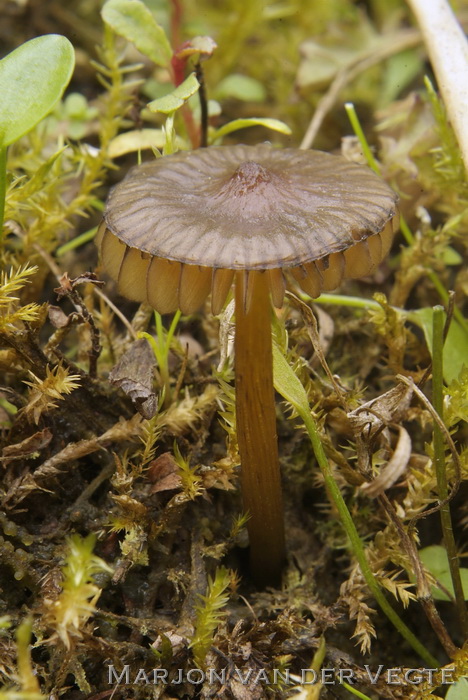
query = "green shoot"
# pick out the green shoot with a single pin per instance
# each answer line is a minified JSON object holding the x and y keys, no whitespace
{"x":354,"y":691}
{"x":135,"y":22}
{"x":210,"y":614}
{"x":358,"y":130}
{"x":238,"y":525}
{"x":75,"y":605}
{"x":169,"y":105}
{"x":448,"y":159}
{"x":161,"y":347}
{"x":33,"y":77}
{"x":236,"y":124}
{"x":28,"y":679}
{"x":342,"y":300}
{"x":191,"y":483}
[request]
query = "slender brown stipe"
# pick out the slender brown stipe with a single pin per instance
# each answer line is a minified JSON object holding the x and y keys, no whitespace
{"x":258,"y":445}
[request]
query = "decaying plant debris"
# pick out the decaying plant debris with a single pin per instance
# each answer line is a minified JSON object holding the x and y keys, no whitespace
{"x":123,"y":542}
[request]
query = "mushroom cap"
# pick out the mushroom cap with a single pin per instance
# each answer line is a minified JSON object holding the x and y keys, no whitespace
{"x":248,"y":207}
{"x":180,"y":227}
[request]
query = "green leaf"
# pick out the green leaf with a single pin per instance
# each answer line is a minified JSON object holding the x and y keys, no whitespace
{"x":400,"y":70}
{"x":450,"y":256}
{"x":455,"y":344}
{"x":135,"y":22}
{"x":435,"y":560}
{"x":459,"y":691}
{"x":139,"y":140}
{"x":241,"y":87}
{"x":32,"y":79}
{"x":237,"y":124}
{"x":320,"y":64}
{"x":214,"y":108}
{"x":170,"y":103}
{"x":75,"y":105}
{"x":287,"y":383}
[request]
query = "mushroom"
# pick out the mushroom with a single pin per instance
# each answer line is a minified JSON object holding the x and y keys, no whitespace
{"x":192,"y":223}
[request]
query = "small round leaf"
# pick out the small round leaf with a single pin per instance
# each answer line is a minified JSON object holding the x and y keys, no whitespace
{"x":135,"y":22}
{"x":32,"y":79}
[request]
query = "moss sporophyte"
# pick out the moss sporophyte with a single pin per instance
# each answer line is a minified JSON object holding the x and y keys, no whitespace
{"x":190,"y":224}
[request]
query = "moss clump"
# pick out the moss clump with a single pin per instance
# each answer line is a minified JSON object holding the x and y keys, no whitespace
{"x":121,"y":517}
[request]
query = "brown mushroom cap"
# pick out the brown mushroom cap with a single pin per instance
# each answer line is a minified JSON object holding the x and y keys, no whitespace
{"x":192,"y":218}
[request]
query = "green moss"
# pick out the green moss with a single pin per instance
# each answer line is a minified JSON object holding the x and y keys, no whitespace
{"x":92,"y":489}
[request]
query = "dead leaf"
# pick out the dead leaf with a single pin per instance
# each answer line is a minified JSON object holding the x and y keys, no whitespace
{"x":28,"y":446}
{"x":394,"y":468}
{"x":381,"y":411}
{"x":163,"y":472}
{"x":122,"y":431}
{"x":201,"y":45}
{"x":134,"y":375}
{"x":58,"y":318}
{"x":67,"y":285}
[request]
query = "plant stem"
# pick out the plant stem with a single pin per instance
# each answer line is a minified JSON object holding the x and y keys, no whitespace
{"x":256,"y":430}
{"x":356,"y":543}
{"x":203,"y":105}
{"x":289,"y":386}
{"x":355,"y":691}
{"x":422,"y":586}
{"x":439,"y":462}
{"x":357,"y":128}
{"x":3,"y":158}
{"x":342,"y":300}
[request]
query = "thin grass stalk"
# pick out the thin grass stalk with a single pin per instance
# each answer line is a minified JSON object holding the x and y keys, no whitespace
{"x":357,"y":546}
{"x":440,"y":465}
{"x":76,"y":242}
{"x":289,"y":386}
{"x":354,"y":691}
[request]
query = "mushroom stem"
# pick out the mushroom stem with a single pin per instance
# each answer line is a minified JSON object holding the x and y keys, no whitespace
{"x":256,"y":428}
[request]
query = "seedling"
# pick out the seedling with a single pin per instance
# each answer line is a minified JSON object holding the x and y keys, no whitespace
{"x":33,"y":77}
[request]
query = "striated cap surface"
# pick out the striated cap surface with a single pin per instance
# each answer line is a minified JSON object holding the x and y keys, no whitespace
{"x":248,"y":207}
